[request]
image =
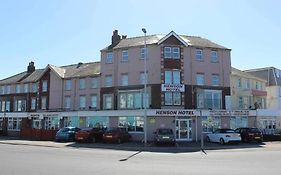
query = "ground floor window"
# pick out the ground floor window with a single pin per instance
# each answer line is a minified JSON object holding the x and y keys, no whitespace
{"x":14,"y":124}
{"x":97,"y":122}
{"x":132,"y":123}
{"x":36,"y":123}
{"x":267,"y":126}
{"x":71,"y":121}
{"x":211,"y":123}
{"x":238,"y":122}
{"x":51,"y":122}
{"x":1,"y":123}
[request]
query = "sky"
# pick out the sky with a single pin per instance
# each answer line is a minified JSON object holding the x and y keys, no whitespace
{"x":63,"y":32}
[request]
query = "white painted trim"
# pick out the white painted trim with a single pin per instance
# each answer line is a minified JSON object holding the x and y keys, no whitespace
{"x":175,"y":35}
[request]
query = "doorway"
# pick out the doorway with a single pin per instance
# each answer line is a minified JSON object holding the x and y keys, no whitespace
{"x":184,"y":129}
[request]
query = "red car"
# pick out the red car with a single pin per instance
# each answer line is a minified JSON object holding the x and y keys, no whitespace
{"x":118,"y":135}
{"x":89,"y":135}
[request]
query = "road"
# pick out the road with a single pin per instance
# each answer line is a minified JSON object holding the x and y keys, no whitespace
{"x":36,"y":160}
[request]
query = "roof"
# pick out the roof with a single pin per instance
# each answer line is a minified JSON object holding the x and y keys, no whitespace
{"x":235,"y":71}
{"x":155,"y":39}
{"x":68,"y":71}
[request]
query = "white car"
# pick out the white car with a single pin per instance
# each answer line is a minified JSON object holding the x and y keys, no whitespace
{"x":223,"y":136}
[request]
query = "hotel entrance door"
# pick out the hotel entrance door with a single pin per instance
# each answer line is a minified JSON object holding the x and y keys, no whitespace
{"x":184,"y":129}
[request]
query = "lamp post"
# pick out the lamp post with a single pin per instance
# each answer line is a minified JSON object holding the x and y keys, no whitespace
{"x":145,"y":88}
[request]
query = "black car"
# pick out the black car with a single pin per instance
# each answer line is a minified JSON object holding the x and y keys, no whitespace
{"x":164,"y":136}
{"x":250,"y":134}
{"x":66,"y":134}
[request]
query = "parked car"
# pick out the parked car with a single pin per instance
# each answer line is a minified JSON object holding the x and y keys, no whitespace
{"x":118,"y":135}
{"x":89,"y":135}
{"x":223,"y":136}
{"x":164,"y":135}
{"x":250,"y":134}
{"x":66,"y":134}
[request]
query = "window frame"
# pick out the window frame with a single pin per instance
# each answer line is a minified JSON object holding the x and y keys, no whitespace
{"x":108,"y":83}
{"x":125,"y":55}
{"x":199,"y":56}
{"x":109,"y":58}
{"x":214,"y":56}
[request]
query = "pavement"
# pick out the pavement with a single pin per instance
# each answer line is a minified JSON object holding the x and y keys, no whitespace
{"x":139,"y":146}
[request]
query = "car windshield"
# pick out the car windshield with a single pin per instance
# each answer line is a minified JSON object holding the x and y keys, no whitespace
{"x":64,"y":130}
{"x":165,"y":131}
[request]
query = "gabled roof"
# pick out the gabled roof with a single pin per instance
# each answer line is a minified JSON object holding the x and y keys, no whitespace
{"x":194,"y":41}
{"x":172,"y":33}
{"x":235,"y":71}
{"x":69,"y":71}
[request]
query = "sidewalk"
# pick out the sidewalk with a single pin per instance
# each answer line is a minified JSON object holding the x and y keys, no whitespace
{"x":138,"y":146}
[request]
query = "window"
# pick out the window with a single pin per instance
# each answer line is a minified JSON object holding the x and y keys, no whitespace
{"x":211,"y":123}
{"x":167,"y":52}
{"x":82,"y":101}
{"x":8,"y":106}
{"x":143,"y":52}
{"x":209,"y":99}
{"x":124,"y":79}
{"x":94,"y":101}
{"x":142,"y":78}
{"x":36,"y":123}
{"x":98,"y":122}
{"x":2,"y":90}
{"x":67,"y":102}
{"x":18,"y":88}
{"x":108,"y":102}
{"x":51,"y":122}
{"x":109,"y":57}
{"x":43,"y":102}
{"x":214,"y":57}
{"x":172,"y":77}
{"x":258,"y":86}
{"x":130,"y":100}
{"x":82,"y":83}
{"x":125,"y":55}
{"x":34,"y":87}
{"x":239,"y":84}
{"x":172,"y":52}
{"x":14,"y":124}
{"x":8,"y":89}
{"x":240,"y":102}
{"x":238,"y":122}
{"x":200,"y":79}
{"x":33,"y":103}
{"x":172,"y":98}
{"x":94,"y":82}
{"x":26,"y":88}
{"x":247,"y":84}
{"x":108,"y":81}
{"x":44,"y":86}
{"x":176,"y":52}
{"x":131,"y":123}
{"x":199,"y":54}
{"x":215,"y":80}
{"x":19,"y":105}
{"x":68,"y":85}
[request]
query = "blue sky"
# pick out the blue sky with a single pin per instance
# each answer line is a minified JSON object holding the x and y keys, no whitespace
{"x":62,"y":32}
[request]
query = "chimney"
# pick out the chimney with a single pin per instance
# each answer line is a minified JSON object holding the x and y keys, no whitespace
{"x":30,"y":67}
{"x":124,"y":36}
{"x":115,"y":39}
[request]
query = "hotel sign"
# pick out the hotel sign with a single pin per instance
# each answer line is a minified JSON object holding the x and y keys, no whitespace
{"x":172,"y":88}
{"x":167,"y":112}
{"x":229,"y":113}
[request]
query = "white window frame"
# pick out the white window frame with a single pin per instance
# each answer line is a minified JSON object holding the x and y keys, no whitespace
{"x":44,"y":86}
{"x":200,"y":79}
{"x":125,"y":56}
{"x":68,"y":85}
{"x":215,"y":79}
{"x":214,"y":56}
{"x":18,"y":88}
{"x":136,"y":125}
{"x":82,"y":83}
{"x":167,"y":52}
{"x":143,"y":51}
{"x":124,"y":79}
{"x":82,"y":101}
{"x":43,"y":102}
{"x":34,"y":87}
{"x":33,"y":103}
{"x":109,"y":58}
{"x":199,"y":54}
{"x":67,"y":102}
{"x":12,"y":121}
{"x":108,"y":101}
{"x":94,"y":101}
{"x":26,"y":88}
{"x":176,"y":53}
{"x":108,"y":81}
{"x":94,"y":83}
{"x":172,"y":98}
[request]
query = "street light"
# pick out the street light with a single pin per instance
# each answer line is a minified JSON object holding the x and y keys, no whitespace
{"x":145,"y":88}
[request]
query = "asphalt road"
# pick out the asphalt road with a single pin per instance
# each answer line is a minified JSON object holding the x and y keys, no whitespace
{"x":36,"y":160}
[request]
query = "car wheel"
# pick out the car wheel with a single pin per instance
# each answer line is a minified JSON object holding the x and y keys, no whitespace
{"x":208,"y":139}
{"x":221,"y":141}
